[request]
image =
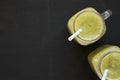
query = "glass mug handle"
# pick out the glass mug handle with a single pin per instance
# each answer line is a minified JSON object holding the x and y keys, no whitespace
{"x":106,"y":14}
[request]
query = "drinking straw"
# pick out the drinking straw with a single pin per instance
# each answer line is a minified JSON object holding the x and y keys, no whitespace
{"x":74,"y":35}
{"x":105,"y":74}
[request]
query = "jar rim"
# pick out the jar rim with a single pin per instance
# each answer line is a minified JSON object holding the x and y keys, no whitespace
{"x":103,"y":30}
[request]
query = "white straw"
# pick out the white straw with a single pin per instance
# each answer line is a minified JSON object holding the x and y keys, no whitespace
{"x":74,"y":35}
{"x":105,"y":74}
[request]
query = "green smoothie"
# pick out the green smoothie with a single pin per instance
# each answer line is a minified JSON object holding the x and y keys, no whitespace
{"x":112,"y":63}
{"x":92,"y":25}
{"x":106,"y":57}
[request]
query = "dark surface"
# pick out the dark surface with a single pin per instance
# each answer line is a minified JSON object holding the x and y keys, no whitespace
{"x":33,"y":39}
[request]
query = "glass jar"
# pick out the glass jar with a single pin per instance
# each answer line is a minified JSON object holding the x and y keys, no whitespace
{"x":92,"y":24}
{"x":106,"y":57}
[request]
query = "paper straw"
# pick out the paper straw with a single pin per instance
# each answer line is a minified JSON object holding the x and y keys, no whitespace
{"x":105,"y":74}
{"x":74,"y":35}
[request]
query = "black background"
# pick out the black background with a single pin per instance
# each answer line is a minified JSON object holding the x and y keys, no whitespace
{"x":33,"y":39}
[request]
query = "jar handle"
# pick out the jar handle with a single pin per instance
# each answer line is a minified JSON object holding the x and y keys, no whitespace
{"x":106,"y":14}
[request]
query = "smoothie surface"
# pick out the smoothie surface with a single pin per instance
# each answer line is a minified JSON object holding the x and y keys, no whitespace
{"x":91,"y":24}
{"x":112,"y":63}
